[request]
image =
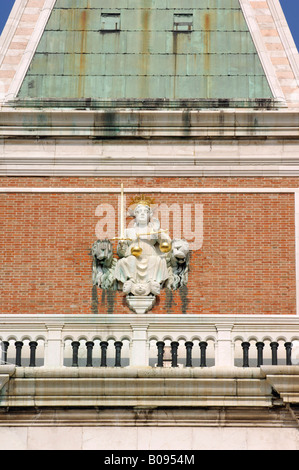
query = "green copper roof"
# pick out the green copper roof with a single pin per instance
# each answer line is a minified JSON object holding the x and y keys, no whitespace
{"x":146,"y":49}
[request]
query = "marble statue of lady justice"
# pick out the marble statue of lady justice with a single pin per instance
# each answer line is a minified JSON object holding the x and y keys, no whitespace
{"x":148,"y":259}
{"x":142,"y":267}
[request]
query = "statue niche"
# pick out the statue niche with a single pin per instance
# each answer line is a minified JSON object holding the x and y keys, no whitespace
{"x":148,"y":260}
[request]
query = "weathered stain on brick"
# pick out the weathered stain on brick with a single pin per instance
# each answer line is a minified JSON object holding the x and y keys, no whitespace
{"x":169,"y":300}
{"x":108,"y":299}
{"x":183,"y":291}
{"x":111,"y":298}
{"x":94,"y":300}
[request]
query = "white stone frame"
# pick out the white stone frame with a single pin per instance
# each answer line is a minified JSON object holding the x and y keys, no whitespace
{"x":143,"y":190}
{"x":285,"y":36}
{"x":11,"y":26}
{"x":32,"y":44}
{"x":259,"y":43}
{"x":297,"y":247}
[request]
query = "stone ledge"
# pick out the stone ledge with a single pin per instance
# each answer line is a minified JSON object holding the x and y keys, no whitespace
{"x":149,"y":387}
{"x":129,"y":387}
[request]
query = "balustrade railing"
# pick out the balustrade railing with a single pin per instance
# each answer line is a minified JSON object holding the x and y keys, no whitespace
{"x":274,"y":345}
{"x":167,"y":356}
{"x":156,"y":341}
{"x":90,"y":360}
{"x":31,"y":359}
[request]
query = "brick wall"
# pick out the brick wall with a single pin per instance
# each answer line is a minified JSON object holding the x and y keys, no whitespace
{"x":246,"y":264}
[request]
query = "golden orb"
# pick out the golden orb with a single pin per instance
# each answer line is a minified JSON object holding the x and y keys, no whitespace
{"x":136,"y":250}
{"x":165,"y":247}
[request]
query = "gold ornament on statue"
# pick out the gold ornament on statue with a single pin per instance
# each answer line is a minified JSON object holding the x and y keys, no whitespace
{"x":136,"y":250}
{"x":165,"y":246}
{"x":142,"y":199}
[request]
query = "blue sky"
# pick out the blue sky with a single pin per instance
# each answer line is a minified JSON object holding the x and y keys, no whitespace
{"x":5,"y":7}
{"x":290,"y":8}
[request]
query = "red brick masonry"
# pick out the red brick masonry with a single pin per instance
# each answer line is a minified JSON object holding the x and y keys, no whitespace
{"x":246,"y":264}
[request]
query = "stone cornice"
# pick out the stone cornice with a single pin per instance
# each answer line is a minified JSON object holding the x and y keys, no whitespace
{"x":149,"y":387}
{"x":91,"y":129}
{"x":223,"y":123}
{"x":106,"y":319}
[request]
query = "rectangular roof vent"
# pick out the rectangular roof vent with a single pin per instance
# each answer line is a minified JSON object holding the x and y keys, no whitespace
{"x":183,"y":22}
{"x":110,"y":22}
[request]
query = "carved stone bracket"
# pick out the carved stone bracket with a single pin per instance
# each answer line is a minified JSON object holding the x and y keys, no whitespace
{"x":284,"y":380}
{"x":140,"y":304}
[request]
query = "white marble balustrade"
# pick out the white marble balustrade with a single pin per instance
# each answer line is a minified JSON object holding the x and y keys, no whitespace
{"x":223,"y":336}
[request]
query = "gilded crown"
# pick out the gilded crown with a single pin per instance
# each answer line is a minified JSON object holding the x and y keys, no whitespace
{"x":142,"y":199}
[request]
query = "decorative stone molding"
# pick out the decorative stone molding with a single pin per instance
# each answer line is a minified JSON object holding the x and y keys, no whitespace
{"x":187,"y":417}
{"x":233,"y":123}
{"x":211,"y":149}
{"x":140,"y":304}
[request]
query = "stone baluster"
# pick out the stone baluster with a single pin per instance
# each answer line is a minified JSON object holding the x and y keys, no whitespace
{"x":189,"y":346}
{"x":245,"y":346}
{"x":160,"y":346}
{"x":174,"y":353}
{"x":104,"y":346}
{"x":75,"y":346}
{"x":260,"y":346}
{"x":18,"y":346}
{"x":5,"y":345}
{"x":274,"y":346}
{"x":118,"y":346}
{"x":89,"y":346}
{"x":33,"y":346}
{"x":203,"y":358}
{"x":288,"y":347}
